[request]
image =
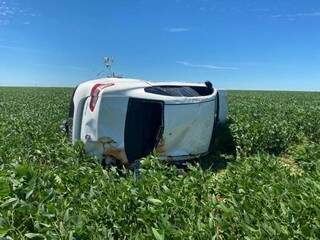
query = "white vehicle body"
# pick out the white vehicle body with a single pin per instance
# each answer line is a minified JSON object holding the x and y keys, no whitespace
{"x":126,"y":119}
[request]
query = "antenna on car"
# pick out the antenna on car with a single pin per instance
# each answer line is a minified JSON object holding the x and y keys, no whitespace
{"x":108,"y":62}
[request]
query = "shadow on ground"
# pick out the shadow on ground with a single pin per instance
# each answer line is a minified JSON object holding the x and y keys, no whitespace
{"x":223,"y":150}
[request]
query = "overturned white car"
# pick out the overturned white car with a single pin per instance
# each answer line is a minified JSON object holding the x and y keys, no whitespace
{"x":122,"y":120}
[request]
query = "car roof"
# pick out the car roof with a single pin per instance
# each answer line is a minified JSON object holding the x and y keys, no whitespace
{"x":151,"y":83}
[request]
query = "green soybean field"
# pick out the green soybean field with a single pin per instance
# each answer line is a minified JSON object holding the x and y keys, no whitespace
{"x":262,"y":182}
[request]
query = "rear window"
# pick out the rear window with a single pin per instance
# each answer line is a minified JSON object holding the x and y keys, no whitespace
{"x":180,"y":91}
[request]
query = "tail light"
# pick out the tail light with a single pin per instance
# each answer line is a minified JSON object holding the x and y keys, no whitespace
{"x":95,"y":94}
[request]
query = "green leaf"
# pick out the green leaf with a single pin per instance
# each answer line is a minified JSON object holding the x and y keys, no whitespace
{"x":34,"y":235}
{"x":3,"y":231}
{"x":228,"y":211}
{"x":4,"y":187}
{"x":29,"y":194}
{"x":154,"y":201}
{"x":157,"y":235}
{"x":66,"y":215}
{"x":8,"y":202}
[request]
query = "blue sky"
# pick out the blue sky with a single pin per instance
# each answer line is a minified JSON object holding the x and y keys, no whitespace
{"x":266,"y":44}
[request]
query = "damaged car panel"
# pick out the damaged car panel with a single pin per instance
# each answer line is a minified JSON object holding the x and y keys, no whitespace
{"x":188,"y":128}
{"x":126,"y":119}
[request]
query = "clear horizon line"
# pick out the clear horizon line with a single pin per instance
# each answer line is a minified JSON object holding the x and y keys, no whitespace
{"x":227,"y":89}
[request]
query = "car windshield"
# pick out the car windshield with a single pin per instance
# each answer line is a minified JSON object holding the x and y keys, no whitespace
{"x":179,"y":91}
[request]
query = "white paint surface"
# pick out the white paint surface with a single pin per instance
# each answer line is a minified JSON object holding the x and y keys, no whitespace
{"x":188,"y":128}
